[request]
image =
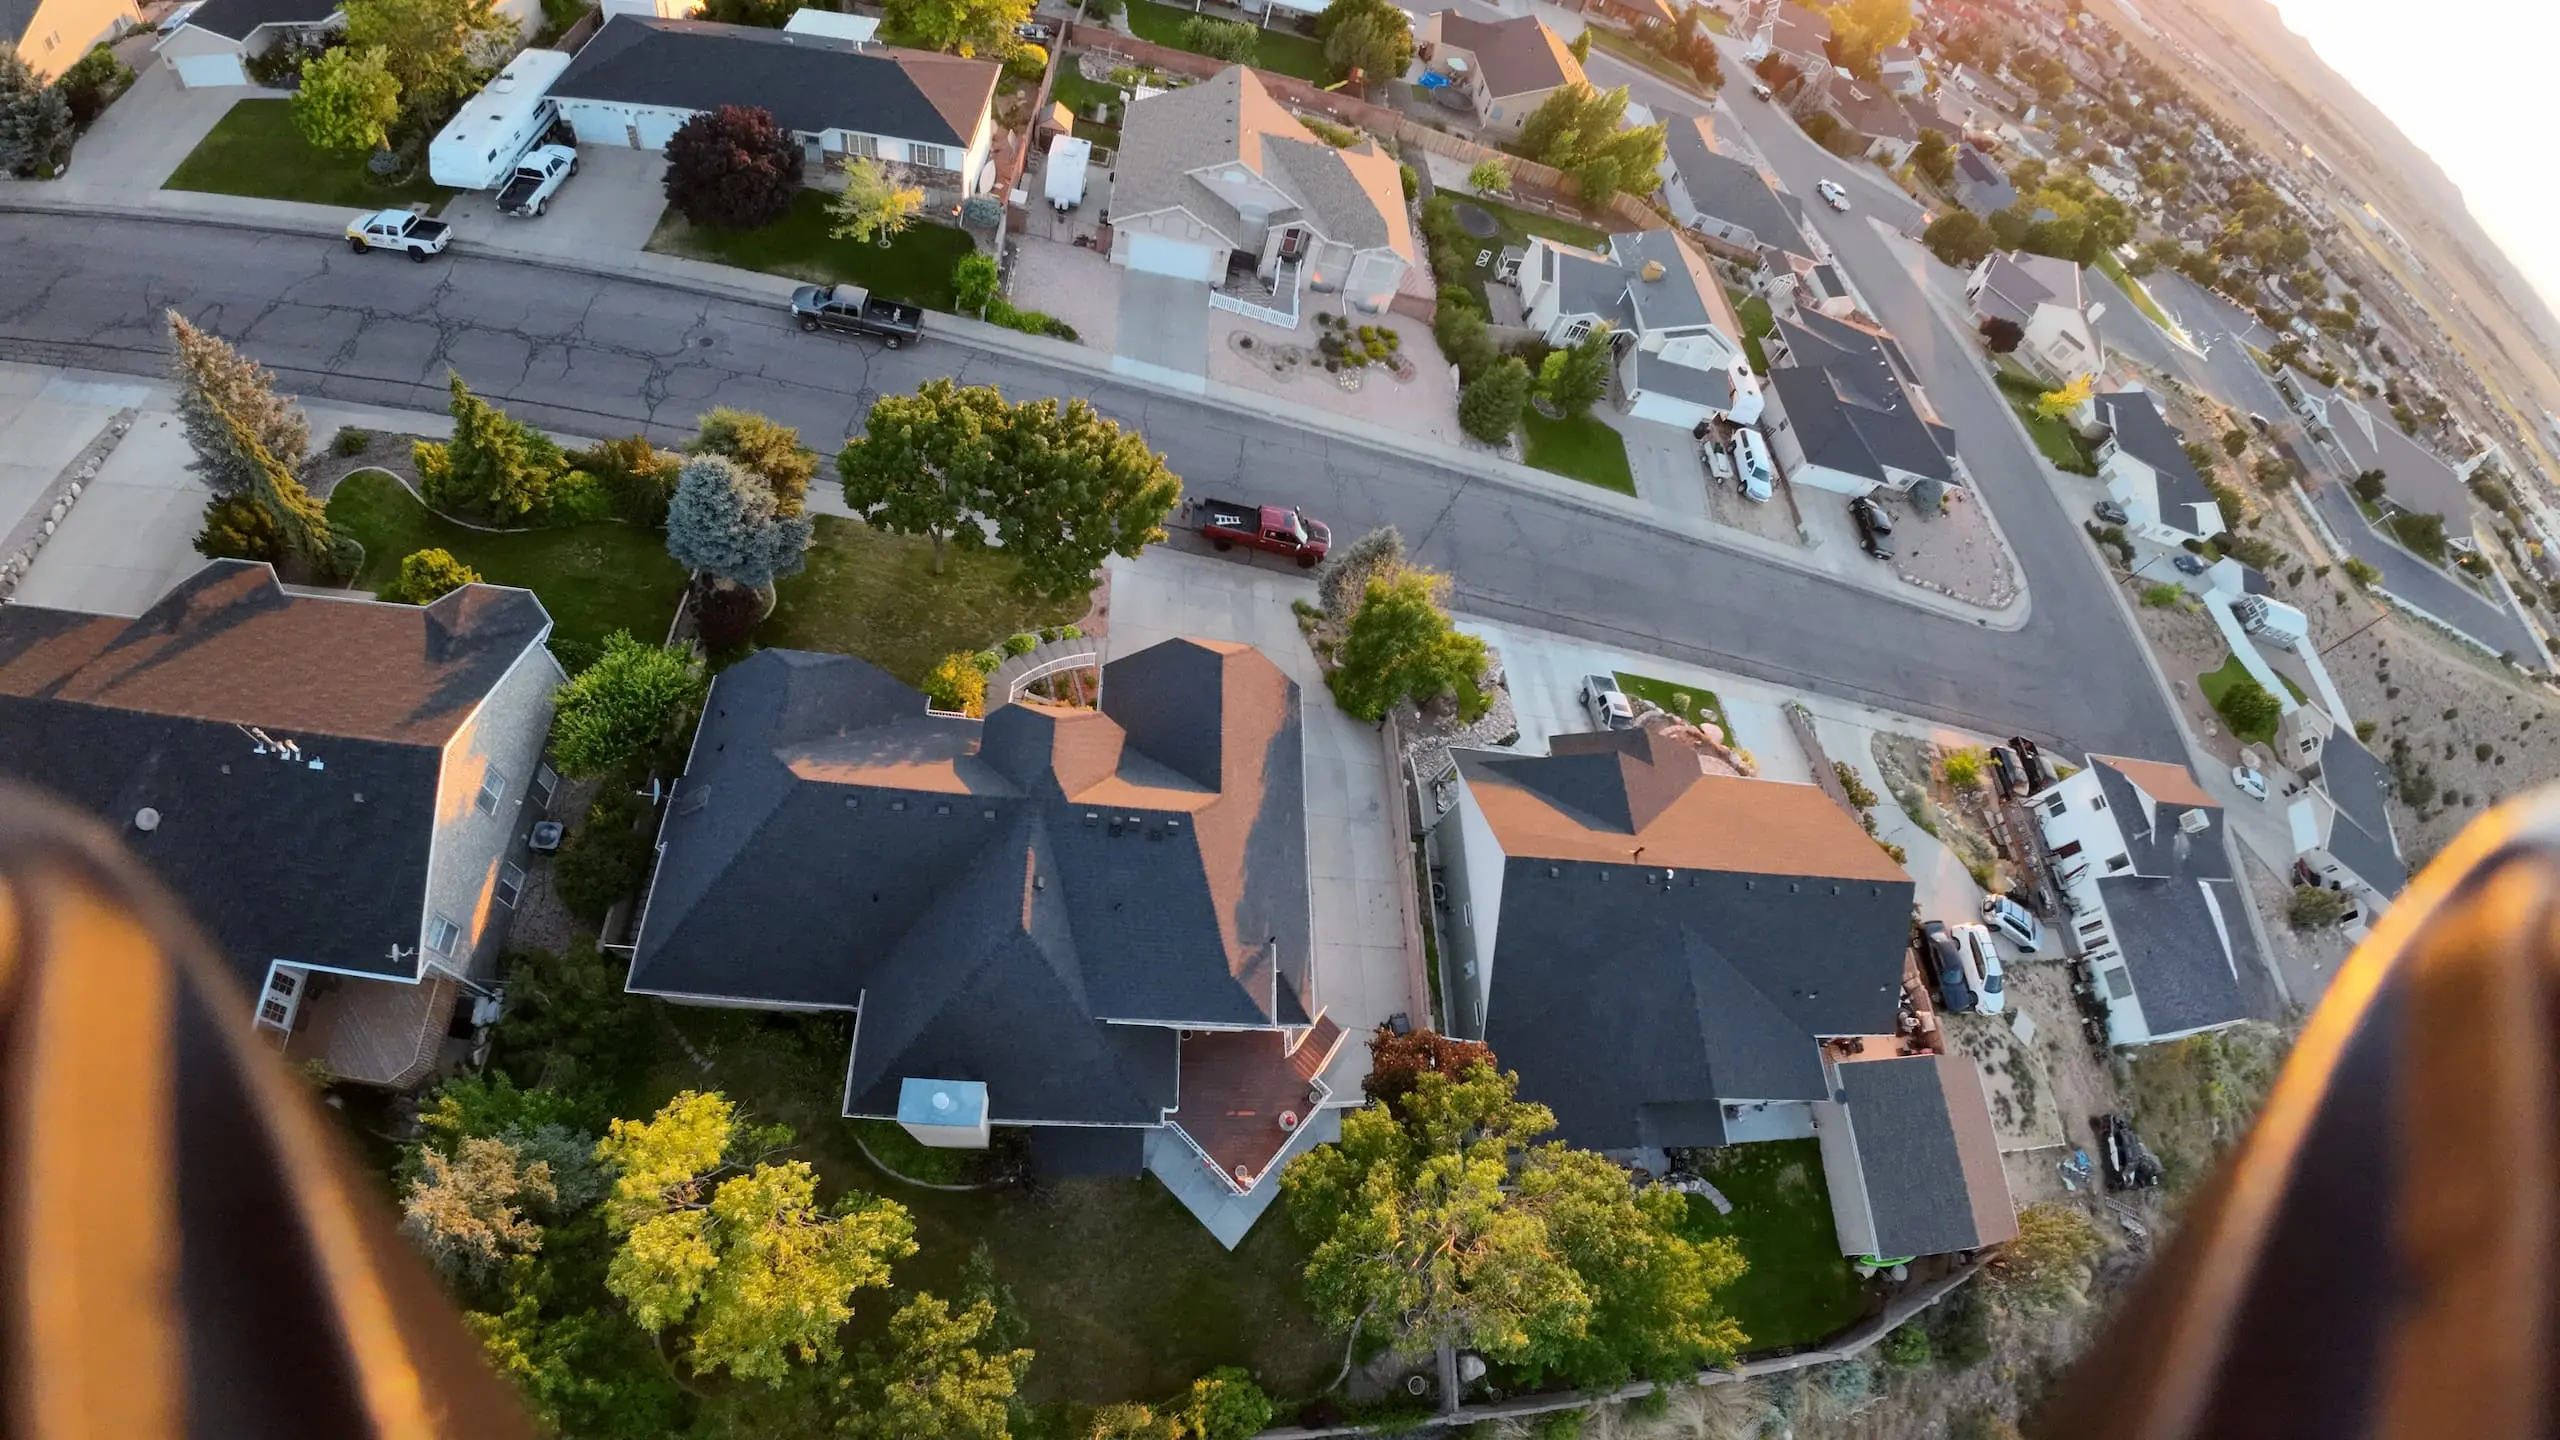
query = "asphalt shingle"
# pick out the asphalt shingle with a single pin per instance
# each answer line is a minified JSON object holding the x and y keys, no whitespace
{"x":1928,"y":1154}
{"x":810,"y":83}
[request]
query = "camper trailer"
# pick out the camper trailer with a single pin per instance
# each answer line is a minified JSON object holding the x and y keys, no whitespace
{"x":478,"y":149}
{"x":1069,"y":159}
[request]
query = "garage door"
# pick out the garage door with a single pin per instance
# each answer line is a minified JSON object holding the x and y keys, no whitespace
{"x":194,"y":70}
{"x":1159,"y":256}
{"x":657,"y":127}
{"x":597,"y":124}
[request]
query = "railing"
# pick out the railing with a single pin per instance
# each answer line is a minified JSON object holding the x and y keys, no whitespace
{"x":1294,"y":282}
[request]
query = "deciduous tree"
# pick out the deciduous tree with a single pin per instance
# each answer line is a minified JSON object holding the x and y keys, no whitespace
{"x":871,"y":205}
{"x":770,"y":451}
{"x":218,"y":386}
{"x":625,"y":702}
{"x":1935,"y":158}
{"x":1401,"y":645}
{"x":735,"y":1248}
{"x":1398,"y":1062}
{"x":1490,"y":176}
{"x":1230,"y":40}
{"x":1370,"y":36}
{"x":727,"y":523}
{"x":348,"y":100}
{"x":427,"y":575}
{"x":732,"y":169}
{"x":466,"y":1212}
{"x":1081,"y":489}
{"x":432,"y":48}
{"x":1652,"y":1291}
{"x":924,"y":463}
{"x":963,"y":27}
{"x":1574,"y":378}
{"x":1959,"y":238}
{"x":2060,"y":401}
{"x":1862,"y":29}
{"x":940,"y":1373}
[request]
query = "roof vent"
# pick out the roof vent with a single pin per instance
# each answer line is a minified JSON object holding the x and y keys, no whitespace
{"x":2194,"y":822}
{"x":1653,"y":270}
{"x":146,"y":819}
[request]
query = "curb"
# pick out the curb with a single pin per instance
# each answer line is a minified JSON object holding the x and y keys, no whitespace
{"x":1081,"y":362}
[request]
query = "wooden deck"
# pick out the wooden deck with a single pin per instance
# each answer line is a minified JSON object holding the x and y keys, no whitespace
{"x":374,"y":1032}
{"x":1236,"y":1084}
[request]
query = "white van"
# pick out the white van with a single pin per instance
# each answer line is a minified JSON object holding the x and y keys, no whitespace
{"x":1981,"y":960}
{"x":1759,"y":474}
{"x":2013,"y":920}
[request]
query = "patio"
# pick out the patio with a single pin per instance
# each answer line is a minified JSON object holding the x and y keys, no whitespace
{"x":1236,"y":1085}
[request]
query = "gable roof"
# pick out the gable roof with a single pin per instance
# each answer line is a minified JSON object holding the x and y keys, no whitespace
{"x":1800,"y":29}
{"x":989,"y":893}
{"x":1872,"y":113}
{"x":237,"y":19}
{"x":1354,"y":195}
{"x":2167,"y":783}
{"x":1515,"y":56}
{"x":1686,"y":294}
{"x":809,"y":82}
{"x":2361,"y":836}
{"x":2183,"y":940}
{"x":2414,"y":476}
{"x":1928,"y":1154}
{"x":1847,"y":393}
{"x":2140,"y":430}
{"x":1729,"y":190}
{"x":1701,"y":931}
{"x":320,"y":861}
{"x":1981,"y":184}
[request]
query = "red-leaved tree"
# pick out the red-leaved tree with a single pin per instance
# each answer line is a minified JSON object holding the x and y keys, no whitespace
{"x":732,"y":169}
{"x":1398,"y":1062}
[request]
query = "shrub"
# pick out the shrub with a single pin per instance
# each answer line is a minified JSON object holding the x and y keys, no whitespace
{"x":1412,"y":182}
{"x":1859,"y":794}
{"x":724,"y":615}
{"x":349,"y":441}
{"x":987,"y":661}
{"x":2364,"y":730}
{"x":425,"y":576}
{"x":1026,"y":62}
{"x":1491,"y":176}
{"x":2362,"y":572}
{"x":632,"y":697}
{"x":2163,"y":595}
{"x":2248,"y":708}
{"x":2315,"y":907}
{"x":92,"y":81}
{"x":1225,"y":1404}
{"x":1963,"y":768}
{"x":973,"y":281}
{"x":957,"y":684}
{"x":635,"y":476}
{"x":1905,"y":1347}
{"x":606,"y":858}
{"x":1022,"y":644}
{"x":1228,"y":40}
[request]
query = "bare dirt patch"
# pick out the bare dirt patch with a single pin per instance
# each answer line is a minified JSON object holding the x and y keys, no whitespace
{"x":2013,"y":1076}
{"x":1914,"y":770}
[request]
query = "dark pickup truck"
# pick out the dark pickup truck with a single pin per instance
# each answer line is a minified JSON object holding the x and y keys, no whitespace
{"x":1275,"y":528}
{"x":857,"y":311}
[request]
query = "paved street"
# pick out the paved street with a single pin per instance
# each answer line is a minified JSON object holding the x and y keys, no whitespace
{"x":592,"y":356}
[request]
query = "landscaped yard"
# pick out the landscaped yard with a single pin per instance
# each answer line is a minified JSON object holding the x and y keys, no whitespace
{"x":256,"y":150}
{"x":1800,"y":1288}
{"x":1512,"y":227}
{"x":1752,"y":311}
{"x":2217,"y":682}
{"x":870,"y":593}
{"x":1277,"y":50}
{"x":1585,"y":450}
{"x":915,"y":267}
{"x":594,"y":579}
{"x":2054,"y":437}
{"x":1080,"y":95}
{"x":1695,"y":704}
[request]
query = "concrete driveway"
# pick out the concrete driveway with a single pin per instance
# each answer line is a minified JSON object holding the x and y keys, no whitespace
{"x":608,"y":208}
{"x":142,"y":137}
{"x":1163,"y":330}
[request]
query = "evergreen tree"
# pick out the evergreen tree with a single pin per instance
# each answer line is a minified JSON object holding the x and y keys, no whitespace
{"x":304,"y":543}
{"x":35,"y":119}
{"x":1573,"y":379}
{"x":494,"y":467}
{"x":218,"y":385}
{"x":1491,"y":405}
{"x":772,"y":452}
{"x":726,"y":523}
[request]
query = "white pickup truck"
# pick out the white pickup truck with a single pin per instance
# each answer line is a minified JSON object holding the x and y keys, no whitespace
{"x":539,"y":175}
{"x":399,"y":230}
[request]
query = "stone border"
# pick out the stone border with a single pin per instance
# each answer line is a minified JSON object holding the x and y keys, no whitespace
{"x":53,"y":506}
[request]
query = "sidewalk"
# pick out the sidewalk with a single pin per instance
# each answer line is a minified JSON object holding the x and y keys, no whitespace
{"x":623,"y":258}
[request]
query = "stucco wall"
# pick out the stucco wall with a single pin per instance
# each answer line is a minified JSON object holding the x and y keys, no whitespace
{"x":61,"y":31}
{"x":502,"y":740}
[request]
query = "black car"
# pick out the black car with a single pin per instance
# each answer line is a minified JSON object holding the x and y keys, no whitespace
{"x":1943,"y":961}
{"x":1875,"y":528}
{"x":2123,"y":1159}
{"x":2187,"y":564}
{"x":2111,"y":512}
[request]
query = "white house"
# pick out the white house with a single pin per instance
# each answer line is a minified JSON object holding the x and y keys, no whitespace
{"x":924,"y":116}
{"x":1845,"y":412}
{"x":1218,"y":176}
{"x":218,"y":38}
{"x":2147,"y":471}
{"x":2154,"y":910}
{"x":2341,"y":824}
{"x":1902,"y":71}
{"x":2043,"y":297}
{"x":1677,"y":340}
{"x":1727,"y":201}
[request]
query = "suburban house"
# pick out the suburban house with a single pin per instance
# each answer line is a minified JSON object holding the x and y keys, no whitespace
{"x":1846,"y":414}
{"x":1677,"y":341}
{"x":1873,"y":113}
{"x":1794,"y":34}
{"x":1902,"y":71}
{"x":2043,"y":297}
{"x":2414,"y":478}
{"x":924,"y":117}
{"x":338,"y":791}
{"x":2147,"y":472}
{"x":1093,"y":922}
{"x":1217,"y":177}
{"x":1506,"y":68}
{"x":1981,"y":185}
{"x":2156,"y":913}
{"x":52,"y":34}
{"x":1636,"y":14}
{"x":215,"y":43}
{"x":1912,"y":1161}
{"x":1671,"y":959}
{"x":1724,"y":199}
{"x":2341,"y":824}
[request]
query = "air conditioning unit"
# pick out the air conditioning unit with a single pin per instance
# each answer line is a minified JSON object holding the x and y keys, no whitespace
{"x":2194,"y":822}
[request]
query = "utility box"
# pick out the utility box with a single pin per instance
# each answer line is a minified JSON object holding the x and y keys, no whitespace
{"x":947,"y":1114}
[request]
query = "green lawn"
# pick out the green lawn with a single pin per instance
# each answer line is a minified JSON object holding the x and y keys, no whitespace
{"x":2140,"y":297}
{"x":2216,"y":682}
{"x":256,"y":150}
{"x":2054,"y":437}
{"x":1514,"y":226}
{"x":870,"y":593}
{"x":1627,"y":48}
{"x":1080,"y":95}
{"x":1585,"y":449}
{"x":916,"y":267}
{"x":1753,"y":313}
{"x":594,"y":579}
{"x":1694,"y":703}
{"x":1284,"y":52}
{"x":1800,"y":1288}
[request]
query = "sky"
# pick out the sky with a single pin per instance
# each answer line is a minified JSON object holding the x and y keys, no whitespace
{"x":2469,"y":83}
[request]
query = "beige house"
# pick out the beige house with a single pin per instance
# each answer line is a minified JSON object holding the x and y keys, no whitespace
{"x":1505,"y":68}
{"x":51,"y":34}
{"x":215,"y":44}
{"x":1217,"y":178}
{"x":2044,"y":298}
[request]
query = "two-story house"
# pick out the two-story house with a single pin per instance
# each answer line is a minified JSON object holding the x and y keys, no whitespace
{"x":1677,"y":341}
{"x":1672,"y":959}
{"x":2043,"y":297}
{"x":1217,"y":177}
{"x":2145,"y":465}
{"x":1846,"y":412}
{"x":1728,"y":202}
{"x":1872,"y":112}
{"x":1981,"y":185}
{"x":2356,"y":439}
{"x":1902,"y":70}
{"x":2341,"y":827}
{"x":2157,"y":915}
{"x":1505,"y":69}
{"x":53,"y":34}
{"x":338,"y":790}
{"x":926,"y":117}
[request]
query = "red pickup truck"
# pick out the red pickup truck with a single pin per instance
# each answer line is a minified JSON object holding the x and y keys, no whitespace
{"x":1275,"y":528}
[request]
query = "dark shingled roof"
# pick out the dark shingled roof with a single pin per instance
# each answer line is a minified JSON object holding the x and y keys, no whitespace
{"x":2140,"y":429}
{"x":2176,"y":913}
{"x":1928,"y":1154}
{"x":809,"y":82}
{"x":1846,"y":391}
{"x":2361,"y":836}
{"x":1670,"y":940}
{"x":1726,"y":189}
{"x":987,"y":894}
{"x":322,"y":862}
{"x":1517,"y":56}
{"x":238,"y":19}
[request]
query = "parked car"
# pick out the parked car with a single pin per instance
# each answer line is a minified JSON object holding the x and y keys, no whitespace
{"x":2008,"y":774}
{"x":539,"y":176}
{"x":1981,"y":967}
{"x":856,"y":311}
{"x":1875,"y":527}
{"x":1719,"y":464}
{"x":2188,"y":564}
{"x":1943,"y":962}
{"x":1753,"y":465}
{"x":179,"y":17}
{"x":2127,"y":1163}
{"x":2251,"y":783}
{"x":2012,"y":918}
{"x":1761,"y":89}
{"x":2110,"y":512}
{"x":399,"y":230}
{"x":1275,"y":528}
{"x":1833,"y":195}
{"x":1606,"y":704}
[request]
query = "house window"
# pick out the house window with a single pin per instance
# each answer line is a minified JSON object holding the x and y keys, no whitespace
{"x":862,"y":147}
{"x":2099,"y":803}
{"x":2067,"y":850}
{"x":1574,"y":332}
{"x":493,"y":788}
{"x":2054,"y":807}
{"x":927,"y":156}
{"x":546,"y":783}
{"x":441,"y":934}
{"x":2119,"y":863}
{"x":510,"y":885}
{"x":274,"y":1012}
{"x":2119,"y":984}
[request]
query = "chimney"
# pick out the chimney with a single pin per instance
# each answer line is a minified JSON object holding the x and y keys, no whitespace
{"x":1652,"y":270}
